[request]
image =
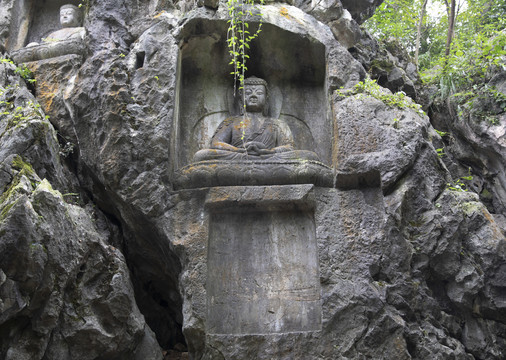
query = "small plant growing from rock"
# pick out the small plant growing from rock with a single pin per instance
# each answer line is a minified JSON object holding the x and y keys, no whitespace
{"x":369,"y":87}
{"x":459,"y":185}
{"x":22,"y":71}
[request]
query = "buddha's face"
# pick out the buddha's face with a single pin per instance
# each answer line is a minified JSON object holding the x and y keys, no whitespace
{"x":69,"y":18}
{"x":255,"y":97}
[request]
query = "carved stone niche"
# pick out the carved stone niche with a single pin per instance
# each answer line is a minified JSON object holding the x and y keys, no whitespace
{"x":294,"y":68}
{"x":35,"y":20}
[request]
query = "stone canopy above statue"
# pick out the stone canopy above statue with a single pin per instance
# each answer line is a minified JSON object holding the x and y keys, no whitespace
{"x":253,"y":149}
{"x":65,"y":41}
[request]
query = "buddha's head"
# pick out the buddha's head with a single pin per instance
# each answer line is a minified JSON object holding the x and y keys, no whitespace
{"x":255,"y":94}
{"x":70,"y":16}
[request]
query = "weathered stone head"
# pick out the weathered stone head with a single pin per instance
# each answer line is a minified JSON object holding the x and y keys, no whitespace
{"x":70,"y":16}
{"x":256,"y":95}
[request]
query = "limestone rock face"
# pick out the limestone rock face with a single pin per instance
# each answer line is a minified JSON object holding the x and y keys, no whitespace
{"x":474,"y":142}
{"x":361,"y":10}
{"x":388,"y":63}
{"x":103,"y":256}
{"x":65,"y":291}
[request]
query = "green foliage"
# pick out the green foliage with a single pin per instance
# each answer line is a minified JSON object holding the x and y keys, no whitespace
{"x":458,"y":185}
{"x":24,"y":170}
{"x":84,"y":4}
{"x":440,"y":152}
{"x":22,"y":71}
{"x":467,"y":63}
{"x":19,"y":114}
{"x":395,"y":123}
{"x":395,"y":19}
{"x":371,"y":88}
{"x":483,"y":100}
{"x":478,"y":45}
{"x":441,"y":133}
{"x":19,"y":164}
{"x":239,"y":36}
{"x":497,"y":96}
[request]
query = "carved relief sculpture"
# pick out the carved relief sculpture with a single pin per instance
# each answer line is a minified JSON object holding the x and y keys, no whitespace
{"x":253,"y":136}
{"x":253,"y":149}
{"x":68,"y":40}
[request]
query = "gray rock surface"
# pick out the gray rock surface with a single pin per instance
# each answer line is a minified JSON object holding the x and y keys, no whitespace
{"x":361,"y":10}
{"x":388,"y":63}
{"x":408,"y":267}
{"x":474,"y":143}
{"x":63,"y":286}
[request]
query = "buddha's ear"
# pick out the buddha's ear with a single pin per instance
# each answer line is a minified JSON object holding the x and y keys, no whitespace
{"x":265,"y":112}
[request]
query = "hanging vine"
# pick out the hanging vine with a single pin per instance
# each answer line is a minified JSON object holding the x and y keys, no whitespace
{"x":239,"y":37}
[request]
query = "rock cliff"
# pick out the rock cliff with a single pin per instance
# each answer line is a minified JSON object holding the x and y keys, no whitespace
{"x":101,"y":258}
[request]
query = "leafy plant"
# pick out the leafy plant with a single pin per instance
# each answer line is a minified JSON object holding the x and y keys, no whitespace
{"x":477,"y":46}
{"x":498,"y":97}
{"x":467,"y":63}
{"x":441,"y":133}
{"x":22,"y":71}
{"x":457,"y":185}
{"x":239,"y":37}
{"x":371,"y":88}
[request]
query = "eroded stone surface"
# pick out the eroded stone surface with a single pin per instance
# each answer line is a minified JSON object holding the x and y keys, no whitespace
{"x":262,"y":272}
{"x":231,"y":173}
{"x":63,"y":286}
{"x":411,"y":270}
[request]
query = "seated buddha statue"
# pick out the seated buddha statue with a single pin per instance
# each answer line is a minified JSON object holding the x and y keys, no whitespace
{"x":66,"y":41}
{"x":253,"y":135}
{"x":70,"y":21}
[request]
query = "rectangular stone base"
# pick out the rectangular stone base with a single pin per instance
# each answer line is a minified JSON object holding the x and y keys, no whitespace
{"x":262,"y":272}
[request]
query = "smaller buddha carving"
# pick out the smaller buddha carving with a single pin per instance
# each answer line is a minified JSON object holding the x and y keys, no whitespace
{"x":253,"y":136}
{"x":67,"y":40}
{"x":70,"y":20}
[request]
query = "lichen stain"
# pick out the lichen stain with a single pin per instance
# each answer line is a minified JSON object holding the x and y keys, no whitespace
{"x":159,"y":14}
{"x":46,"y":94}
{"x":489,"y":217}
{"x":242,"y":125}
{"x":284,"y":12}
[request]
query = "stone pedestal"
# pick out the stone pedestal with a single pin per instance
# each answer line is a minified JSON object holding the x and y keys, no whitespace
{"x":262,"y":265}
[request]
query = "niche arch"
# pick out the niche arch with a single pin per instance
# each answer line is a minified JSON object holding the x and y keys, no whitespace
{"x":293,"y":64}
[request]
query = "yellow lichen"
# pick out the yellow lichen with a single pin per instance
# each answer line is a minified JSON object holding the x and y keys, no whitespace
{"x":284,"y":12}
